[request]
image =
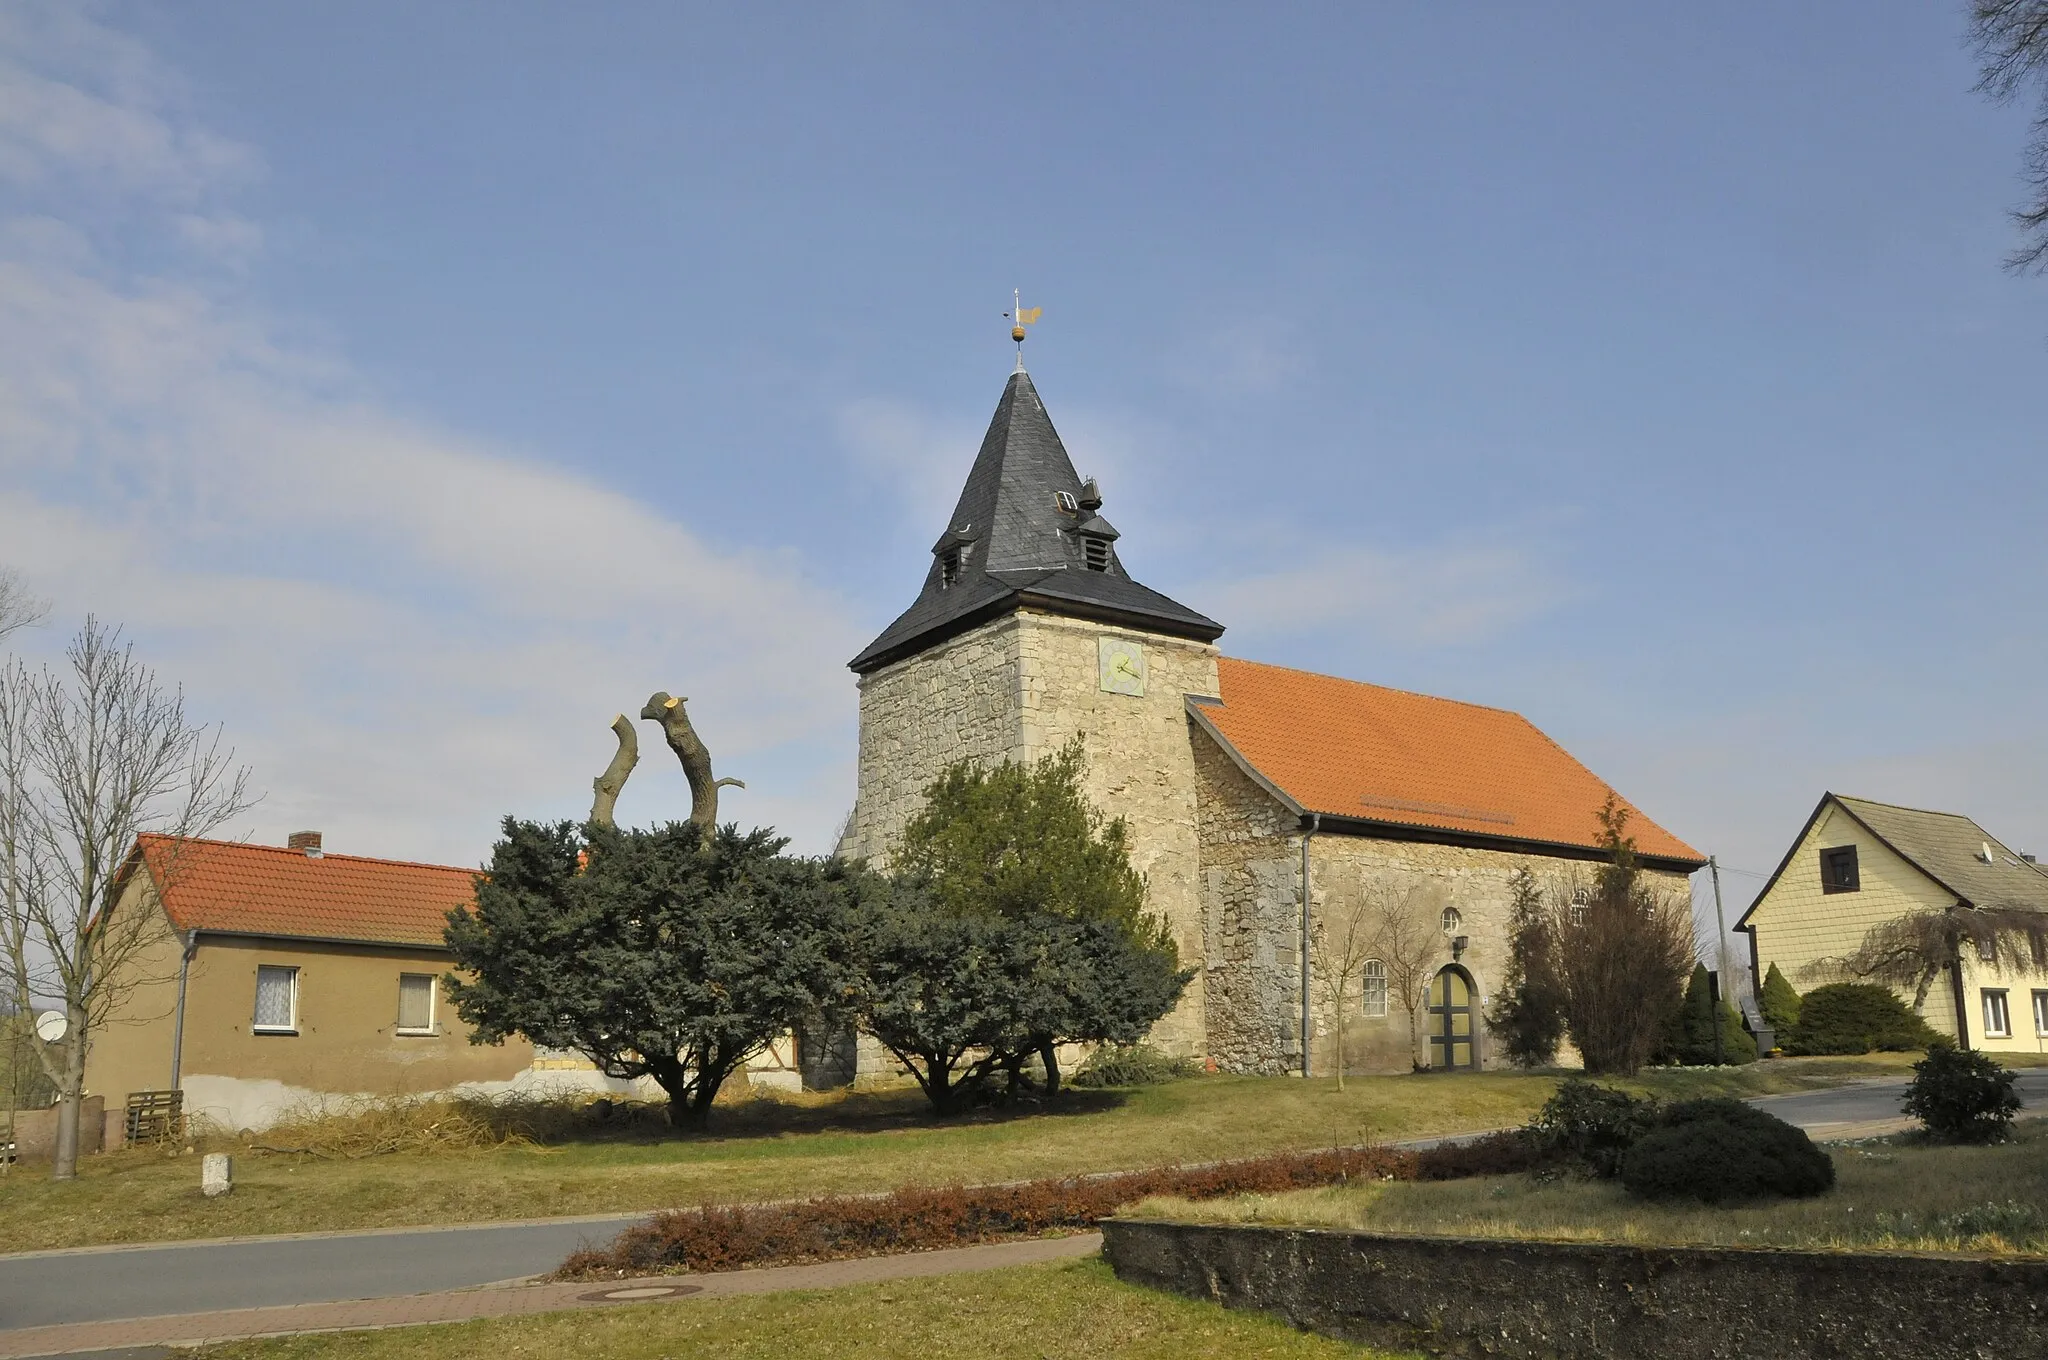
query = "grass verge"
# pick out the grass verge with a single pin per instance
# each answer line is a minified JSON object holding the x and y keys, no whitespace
{"x":1068,"y":1309}
{"x":765,"y":1149}
{"x":1896,"y":1194}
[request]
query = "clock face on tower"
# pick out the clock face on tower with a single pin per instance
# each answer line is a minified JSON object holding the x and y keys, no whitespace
{"x":1122,"y":666}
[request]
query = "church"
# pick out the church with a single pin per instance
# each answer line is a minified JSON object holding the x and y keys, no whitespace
{"x":1267,"y":807}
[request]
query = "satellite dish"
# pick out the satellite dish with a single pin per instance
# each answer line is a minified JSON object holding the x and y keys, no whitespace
{"x":52,"y":1026}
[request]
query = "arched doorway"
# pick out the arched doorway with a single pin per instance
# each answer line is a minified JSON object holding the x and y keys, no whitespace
{"x":1453,"y":1039}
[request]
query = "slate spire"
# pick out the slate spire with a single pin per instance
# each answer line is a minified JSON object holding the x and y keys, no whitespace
{"x":1026,"y":530}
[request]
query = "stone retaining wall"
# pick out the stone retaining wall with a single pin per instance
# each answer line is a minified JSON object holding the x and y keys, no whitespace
{"x":1469,"y":1297}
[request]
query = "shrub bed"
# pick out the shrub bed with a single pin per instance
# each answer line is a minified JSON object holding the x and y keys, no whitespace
{"x":1720,"y":1150}
{"x":1856,"y":1017}
{"x":922,"y":1218}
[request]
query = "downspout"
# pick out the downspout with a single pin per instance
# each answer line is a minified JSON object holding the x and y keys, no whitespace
{"x":1315,"y":824}
{"x":178,"y":1029}
{"x":1955,"y":986}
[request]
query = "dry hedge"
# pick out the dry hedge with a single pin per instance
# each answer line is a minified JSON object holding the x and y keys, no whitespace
{"x":918,"y":1218}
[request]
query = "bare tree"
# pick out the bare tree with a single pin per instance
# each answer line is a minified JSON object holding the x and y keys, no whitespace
{"x":1340,"y":949}
{"x":1407,"y":935}
{"x":2011,"y":41}
{"x":93,"y":756}
{"x":18,"y":608}
{"x":609,"y":785}
{"x":1622,"y":957}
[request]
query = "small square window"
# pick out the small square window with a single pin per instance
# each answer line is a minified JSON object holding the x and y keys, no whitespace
{"x":2041,"y":1012}
{"x":1838,"y":869}
{"x":1066,"y":502}
{"x":1997,"y":1020}
{"x":415,"y":1003}
{"x":277,"y":1000}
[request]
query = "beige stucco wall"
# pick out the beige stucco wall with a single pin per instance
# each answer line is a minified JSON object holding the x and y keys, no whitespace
{"x":131,"y":1050}
{"x":1251,"y":874}
{"x":1018,"y":688}
{"x":1799,"y":928}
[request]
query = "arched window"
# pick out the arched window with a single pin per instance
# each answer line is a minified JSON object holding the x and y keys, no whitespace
{"x":1582,"y":898}
{"x":1452,"y":920}
{"x":1374,"y":989}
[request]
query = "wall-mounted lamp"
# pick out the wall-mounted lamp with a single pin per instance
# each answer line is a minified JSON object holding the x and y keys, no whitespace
{"x":1458,"y":943}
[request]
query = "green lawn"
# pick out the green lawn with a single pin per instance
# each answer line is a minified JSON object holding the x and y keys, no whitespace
{"x":767,"y":1150}
{"x":1071,"y":1309}
{"x":1893,"y":1194}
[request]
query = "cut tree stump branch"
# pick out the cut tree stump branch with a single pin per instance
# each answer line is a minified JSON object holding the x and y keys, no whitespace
{"x":612,"y":782}
{"x":696,"y":761}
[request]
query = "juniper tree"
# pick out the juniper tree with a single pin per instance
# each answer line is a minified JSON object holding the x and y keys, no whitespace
{"x":1022,"y":843}
{"x":665,"y":953}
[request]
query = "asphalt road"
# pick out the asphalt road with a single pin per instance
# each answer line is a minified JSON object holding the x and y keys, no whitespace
{"x":100,"y":1285}
{"x":104,"y":1284}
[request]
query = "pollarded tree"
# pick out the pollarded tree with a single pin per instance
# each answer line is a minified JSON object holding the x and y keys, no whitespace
{"x":1407,"y":936}
{"x":660,"y":953}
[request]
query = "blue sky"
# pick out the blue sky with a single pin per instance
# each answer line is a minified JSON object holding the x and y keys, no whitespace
{"x":423,"y":384}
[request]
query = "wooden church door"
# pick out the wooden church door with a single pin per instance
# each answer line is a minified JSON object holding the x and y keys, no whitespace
{"x":1452,"y":1044}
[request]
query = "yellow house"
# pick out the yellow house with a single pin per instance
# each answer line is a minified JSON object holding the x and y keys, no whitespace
{"x":284,"y":976}
{"x":1858,"y":864}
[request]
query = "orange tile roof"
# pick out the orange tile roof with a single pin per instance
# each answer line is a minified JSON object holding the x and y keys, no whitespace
{"x":237,"y":889}
{"x":1347,"y":749}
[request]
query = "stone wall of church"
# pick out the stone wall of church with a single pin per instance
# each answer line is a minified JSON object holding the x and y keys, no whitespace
{"x":959,"y":700}
{"x":1251,"y":885}
{"x":1140,"y":766}
{"x":1251,"y":857}
{"x":1018,"y":688}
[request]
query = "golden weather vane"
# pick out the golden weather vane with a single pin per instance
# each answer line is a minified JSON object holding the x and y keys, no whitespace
{"x":1020,"y":317}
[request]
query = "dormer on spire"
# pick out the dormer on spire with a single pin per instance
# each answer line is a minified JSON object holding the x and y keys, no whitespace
{"x":1027,"y":531}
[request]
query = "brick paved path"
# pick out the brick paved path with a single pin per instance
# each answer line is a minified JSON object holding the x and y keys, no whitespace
{"x":460,"y":1305}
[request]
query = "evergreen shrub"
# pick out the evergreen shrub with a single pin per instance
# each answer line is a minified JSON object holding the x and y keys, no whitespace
{"x":1138,"y":1064}
{"x":1962,"y":1097}
{"x":1779,"y":1001}
{"x":1688,"y":1037}
{"x":1592,"y":1126}
{"x":1720,"y":1150}
{"x":1857,"y":1017}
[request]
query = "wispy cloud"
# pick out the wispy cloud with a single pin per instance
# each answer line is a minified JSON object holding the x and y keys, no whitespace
{"x":407,"y":630}
{"x":1437,"y":595}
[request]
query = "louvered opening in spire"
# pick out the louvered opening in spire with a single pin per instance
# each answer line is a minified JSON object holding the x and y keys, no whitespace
{"x":1026,"y":529}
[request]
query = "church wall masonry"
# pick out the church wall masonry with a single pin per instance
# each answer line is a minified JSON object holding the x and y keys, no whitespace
{"x":1251,"y":891}
{"x":1019,"y":688}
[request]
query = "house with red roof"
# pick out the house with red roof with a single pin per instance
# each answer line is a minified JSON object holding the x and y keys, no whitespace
{"x":1266,"y":807}
{"x":285,"y":976}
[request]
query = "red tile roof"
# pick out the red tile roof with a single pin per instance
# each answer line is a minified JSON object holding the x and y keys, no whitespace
{"x":236,"y":889}
{"x":1347,"y":749}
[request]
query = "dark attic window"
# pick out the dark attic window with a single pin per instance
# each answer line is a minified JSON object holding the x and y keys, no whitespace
{"x":949,"y":566}
{"x":1095,"y":553}
{"x":1838,"y":869}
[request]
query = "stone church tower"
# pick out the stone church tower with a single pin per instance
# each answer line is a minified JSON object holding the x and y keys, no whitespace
{"x":1028,"y":632}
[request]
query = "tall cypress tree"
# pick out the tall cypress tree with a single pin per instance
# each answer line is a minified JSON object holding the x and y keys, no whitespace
{"x":1528,"y":1013}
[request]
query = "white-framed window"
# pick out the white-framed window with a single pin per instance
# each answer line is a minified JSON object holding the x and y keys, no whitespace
{"x":1373,"y":989}
{"x":1997,"y":1020}
{"x":2041,"y":1012}
{"x":1452,"y":919}
{"x":415,"y":1003}
{"x":277,"y":999}
{"x":1582,"y":899}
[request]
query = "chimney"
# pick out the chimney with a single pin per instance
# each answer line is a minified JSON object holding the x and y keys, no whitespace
{"x":306,"y":843}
